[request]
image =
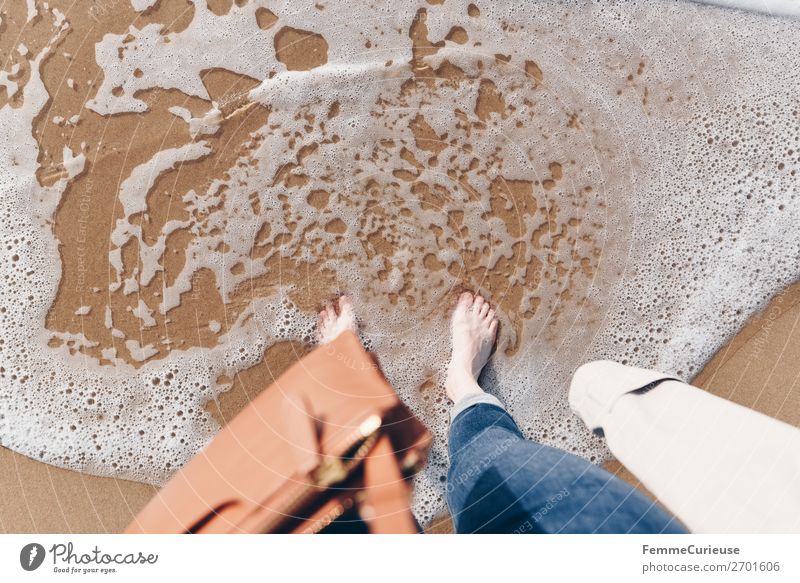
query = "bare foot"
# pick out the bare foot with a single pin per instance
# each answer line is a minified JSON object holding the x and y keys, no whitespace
{"x":474,"y":329}
{"x":333,"y":323}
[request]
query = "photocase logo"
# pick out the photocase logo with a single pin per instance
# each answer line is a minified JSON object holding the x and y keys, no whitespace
{"x":31,"y":556}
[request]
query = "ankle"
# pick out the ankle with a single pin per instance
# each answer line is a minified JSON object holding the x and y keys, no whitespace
{"x":461,"y":383}
{"x":459,"y":393}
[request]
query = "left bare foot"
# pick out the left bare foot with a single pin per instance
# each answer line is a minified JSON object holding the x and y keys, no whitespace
{"x":333,"y":322}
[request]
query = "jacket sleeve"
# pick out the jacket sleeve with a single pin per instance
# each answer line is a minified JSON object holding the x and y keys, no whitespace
{"x":716,"y":465}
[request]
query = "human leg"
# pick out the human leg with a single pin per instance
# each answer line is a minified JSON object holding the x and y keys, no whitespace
{"x":500,"y":482}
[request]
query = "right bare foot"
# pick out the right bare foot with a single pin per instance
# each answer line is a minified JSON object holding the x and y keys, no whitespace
{"x":474,"y":329}
{"x":332,"y":323}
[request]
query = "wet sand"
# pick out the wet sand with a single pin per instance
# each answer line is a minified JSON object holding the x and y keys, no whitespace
{"x":207,"y":209}
{"x":116,"y":145}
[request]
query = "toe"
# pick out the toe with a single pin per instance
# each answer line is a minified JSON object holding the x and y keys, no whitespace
{"x":476,"y":305}
{"x":489,"y":315}
{"x":465,"y":300}
{"x":345,"y":304}
{"x":331,"y":312}
{"x":493,"y":328}
{"x":484,"y":310}
{"x":323,"y":317}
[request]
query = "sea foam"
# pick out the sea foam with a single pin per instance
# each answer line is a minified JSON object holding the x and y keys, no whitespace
{"x":620,"y":178}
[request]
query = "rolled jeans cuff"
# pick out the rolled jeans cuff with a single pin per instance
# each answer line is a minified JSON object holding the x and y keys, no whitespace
{"x":473,"y":399}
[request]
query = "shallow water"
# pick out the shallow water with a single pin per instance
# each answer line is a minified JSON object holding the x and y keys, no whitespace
{"x":183,"y":186}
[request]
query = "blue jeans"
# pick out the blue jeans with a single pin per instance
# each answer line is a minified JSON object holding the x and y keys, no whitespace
{"x":499,"y":482}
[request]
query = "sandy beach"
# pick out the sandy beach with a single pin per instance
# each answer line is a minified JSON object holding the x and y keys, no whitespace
{"x":185,"y":183}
